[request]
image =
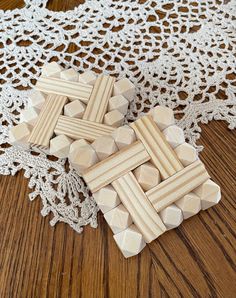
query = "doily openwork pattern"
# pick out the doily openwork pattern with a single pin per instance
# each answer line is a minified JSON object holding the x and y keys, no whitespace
{"x":178,"y":53}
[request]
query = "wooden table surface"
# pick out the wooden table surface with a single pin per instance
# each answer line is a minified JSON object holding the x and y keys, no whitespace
{"x":196,"y":260}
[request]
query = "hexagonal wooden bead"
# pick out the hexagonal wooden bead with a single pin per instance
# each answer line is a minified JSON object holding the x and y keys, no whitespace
{"x":114,"y":118}
{"x":147,"y":175}
{"x":171,"y":216}
{"x":209,"y":193}
{"x":52,"y":70}
{"x":190,"y":205}
{"x":88,"y":77}
{"x":104,"y":147}
{"x":60,"y":146}
{"x":83,"y":158}
{"x":130,"y":241}
{"x":19,"y":134}
{"x":36,"y":99}
{"x":118,"y":219}
{"x":70,"y":75}
{"x":174,"y":135}
{"x":119,"y":103}
{"x":186,"y":153}
{"x":29,"y":115}
{"x":106,"y":198}
{"x":74,"y":109}
{"x":124,"y":87}
{"x":124,"y":136}
{"x":163,"y":117}
{"x":77,"y":144}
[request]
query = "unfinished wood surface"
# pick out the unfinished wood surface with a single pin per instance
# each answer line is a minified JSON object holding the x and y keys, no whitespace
{"x":44,"y":127}
{"x":142,"y":212}
{"x":81,"y":129}
{"x":178,"y":185}
{"x":98,"y":102}
{"x":162,"y":155}
{"x":73,"y":90}
{"x":115,"y":166}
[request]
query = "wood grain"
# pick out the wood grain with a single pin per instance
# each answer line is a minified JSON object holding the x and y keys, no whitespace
{"x":196,"y":260}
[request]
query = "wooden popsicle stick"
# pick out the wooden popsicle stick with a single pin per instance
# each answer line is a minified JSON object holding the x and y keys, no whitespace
{"x":177,"y":185}
{"x":115,"y":166}
{"x":162,"y":155}
{"x":141,"y":210}
{"x":98,"y":102}
{"x":44,"y":127}
{"x":81,"y":129}
{"x":73,"y":90}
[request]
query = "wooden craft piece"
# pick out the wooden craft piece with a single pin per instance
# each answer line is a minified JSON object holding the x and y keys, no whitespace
{"x":81,"y":129}
{"x":124,"y":136}
{"x":76,"y":144}
{"x":74,"y":109}
{"x":171,"y":216}
{"x":190,"y":204}
{"x":43,"y":129}
{"x":177,"y":185}
{"x":115,"y":166}
{"x":118,"y":219}
{"x":162,"y":156}
{"x":106,"y":198}
{"x":163,"y":117}
{"x":60,"y":146}
{"x":130,"y":241}
{"x":209,"y":193}
{"x":186,"y":153}
{"x":147,"y":176}
{"x":52,"y":70}
{"x":72,"y":90}
{"x":98,"y":101}
{"x":19,"y":134}
{"x":104,"y":147}
{"x":124,"y":87}
{"x":29,"y":116}
{"x":142,"y":212}
{"x":88,"y":77}
{"x":70,"y":75}
{"x":36,"y":99}
{"x":174,"y":135}
{"x":119,"y":103}
{"x":114,"y":118}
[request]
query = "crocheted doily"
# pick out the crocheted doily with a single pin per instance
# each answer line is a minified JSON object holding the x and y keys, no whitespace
{"x":179,"y":53}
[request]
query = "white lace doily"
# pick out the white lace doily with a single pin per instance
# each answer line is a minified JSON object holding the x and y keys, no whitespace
{"x":169,"y":49}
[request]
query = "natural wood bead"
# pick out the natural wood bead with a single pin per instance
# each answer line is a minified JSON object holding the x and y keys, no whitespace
{"x":19,"y":134}
{"x":104,"y":147}
{"x":186,"y":153}
{"x":124,"y":136}
{"x":36,"y":99}
{"x":114,"y":118}
{"x":119,"y":103}
{"x":88,"y":77}
{"x":106,"y":198}
{"x":209,"y":193}
{"x":124,"y":87}
{"x":83,"y":158}
{"x":74,"y":109}
{"x":29,"y":115}
{"x":171,"y":216}
{"x":163,"y":117}
{"x":190,"y":205}
{"x":174,"y":135}
{"x":147,"y":176}
{"x":60,"y":146}
{"x":52,"y":70}
{"x":78,"y":143}
{"x":118,"y":219}
{"x":70,"y":75}
{"x":130,"y":241}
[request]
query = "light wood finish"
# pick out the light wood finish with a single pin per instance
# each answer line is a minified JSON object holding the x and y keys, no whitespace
{"x":74,"y":109}
{"x":72,"y":90}
{"x":36,"y":99}
{"x":98,"y":102}
{"x":162,"y":155}
{"x":174,"y":135}
{"x":114,"y":118}
{"x":29,"y":116}
{"x":142,"y":212}
{"x":81,"y":129}
{"x":88,"y":77}
{"x":177,"y":185}
{"x":171,"y":216}
{"x":44,"y":128}
{"x":60,"y":146}
{"x":190,"y":204}
{"x":163,"y":116}
{"x":104,"y":146}
{"x":124,"y":136}
{"x":124,"y":87}
{"x":52,"y":69}
{"x":147,"y":175}
{"x":186,"y":153}
{"x":118,"y":102}
{"x":106,"y":198}
{"x":115,"y":166}
{"x":70,"y":75}
{"x":19,"y":134}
